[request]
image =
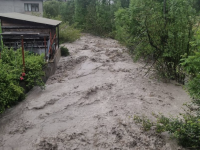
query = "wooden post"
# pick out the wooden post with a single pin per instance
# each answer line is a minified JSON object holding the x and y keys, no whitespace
{"x":55,"y":40}
{"x":23,"y":53}
{"x":58,"y":37}
{"x":50,"y":44}
{"x":45,"y":44}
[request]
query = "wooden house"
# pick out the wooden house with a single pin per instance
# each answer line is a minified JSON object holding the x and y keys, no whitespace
{"x":39,"y":35}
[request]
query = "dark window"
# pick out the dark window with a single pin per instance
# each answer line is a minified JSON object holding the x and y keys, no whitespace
{"x":31,"y":7}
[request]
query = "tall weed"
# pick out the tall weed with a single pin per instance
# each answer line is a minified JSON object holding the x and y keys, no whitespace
{"x":68,"y":33}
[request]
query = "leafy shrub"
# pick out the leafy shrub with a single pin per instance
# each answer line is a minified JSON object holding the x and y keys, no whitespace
{"x":93,"y":16}
{"x":161,"y":29}
{"x":67,"y":10}
{"x":192,"y":67}
{"x":122,"y":24}
{"x":10,"y":90}
{"x":68,"y":33}
{"x":186,"y":130}
{"x":12,"y":73}
{"x":146,"y":123}
{"x":33,"y":65}
{"x":64,"y":51}
{"x":1,"y":41}
{"x":51,"y":8}
{"x":34,"y":72}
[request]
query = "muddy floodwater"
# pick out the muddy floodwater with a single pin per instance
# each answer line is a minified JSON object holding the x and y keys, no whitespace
{"x":90,"y":102}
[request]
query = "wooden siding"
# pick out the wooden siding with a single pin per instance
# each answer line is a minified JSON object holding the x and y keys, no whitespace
{"x":34,"y":35}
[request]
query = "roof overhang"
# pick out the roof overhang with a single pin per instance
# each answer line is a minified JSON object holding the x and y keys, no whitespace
{"x":30,"y":18}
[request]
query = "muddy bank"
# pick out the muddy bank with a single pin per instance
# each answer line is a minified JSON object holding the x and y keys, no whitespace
{"x":90,"y":103}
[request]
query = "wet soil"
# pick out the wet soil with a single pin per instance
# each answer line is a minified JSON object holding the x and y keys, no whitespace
{"x":90,"y":102}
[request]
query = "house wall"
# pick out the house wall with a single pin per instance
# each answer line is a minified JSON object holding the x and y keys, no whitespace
{"x":16,"y":23}
{"x":7,"y":6}
{"x":32,"y":42}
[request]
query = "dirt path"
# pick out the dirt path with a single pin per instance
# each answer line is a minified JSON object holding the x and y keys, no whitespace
{"x":90,"y":102}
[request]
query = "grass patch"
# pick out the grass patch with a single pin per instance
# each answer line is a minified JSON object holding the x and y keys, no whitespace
{"x":68,"y":33}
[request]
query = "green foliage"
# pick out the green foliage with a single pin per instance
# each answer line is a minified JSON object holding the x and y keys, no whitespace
{"x":167,"y":32}
{"x":11,"y":74}
{"x":80,"y":12}
{"x":33,"y":65}
{"x":122,"y":24}
{"x":186,"y":130}
{"x":100,"y":17}
{"x":146,"y":123}
{"x":94,"y":16}
{"x":192,"y":67}
{"x":67,"y":12}
{"x":34,"y":73}
{"x":51,"y":8}
{"x":63,"y":11}
{"x":1,"y":41}
{"x":197,"y":5}
{"x":124,"y":3}
{"x":10,"y":90}
{"x":89,"y":15}
{"x":158,"y":29}
{"x":68,"y":33}
{"x":64,"y":51}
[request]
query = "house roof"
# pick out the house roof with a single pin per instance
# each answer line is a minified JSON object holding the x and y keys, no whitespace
{"x":30,"y":18}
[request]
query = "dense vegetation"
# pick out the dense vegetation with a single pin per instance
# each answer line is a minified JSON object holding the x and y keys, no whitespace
{"x":12,"y":75}
{"x":1,"y":42}
{"x":68,"y":33}
{"x":61,"y":11}
{"x":160,"y":30}
{"x":89,"y":15}
{"x":163,"y":32}
{"x":166,"y":32}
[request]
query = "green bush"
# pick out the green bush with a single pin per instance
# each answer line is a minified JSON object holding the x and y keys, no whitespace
{"x":146,"y":123}
{"x":67,"y":10}
{"x":12,"y":73}
{"x":1,"y":41}
{"x":161,"y":30}
{"x":68,"y":33}
{"x":10,"y":90}
{"x":33,"y":65}
{"x":186,"y":129}
{"x":192,"y":66}
{"x":64,"y":51}
{"x":92,"y":16}
{"x":51,"y":8}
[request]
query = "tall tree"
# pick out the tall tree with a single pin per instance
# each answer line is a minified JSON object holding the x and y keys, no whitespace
{"x":81,"y":11}
{"x":67,"y":11}
{"x":162,"y":29}
{"x":51,"y":8}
